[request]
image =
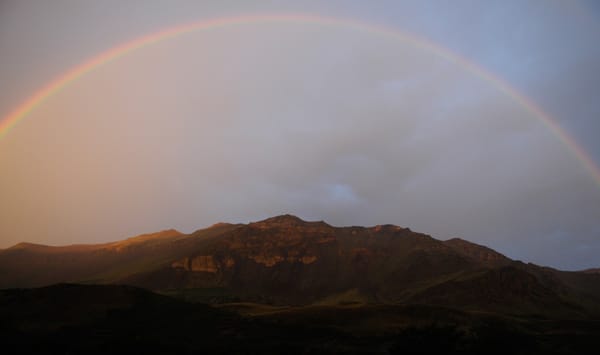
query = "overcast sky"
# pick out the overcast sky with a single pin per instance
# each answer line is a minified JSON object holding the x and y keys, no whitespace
{"x":328,"y":122}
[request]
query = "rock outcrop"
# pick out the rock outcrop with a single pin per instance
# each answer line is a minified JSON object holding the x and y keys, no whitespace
{"x":203,"y":263}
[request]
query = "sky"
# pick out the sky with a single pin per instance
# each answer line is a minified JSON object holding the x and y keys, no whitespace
{"x":347,"y":123}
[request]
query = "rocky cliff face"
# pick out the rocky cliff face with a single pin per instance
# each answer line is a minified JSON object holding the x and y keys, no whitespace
{"x":204,"y":263}
{"x":291,"y":260}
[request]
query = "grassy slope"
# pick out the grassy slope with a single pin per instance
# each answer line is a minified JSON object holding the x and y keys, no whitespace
{"x":117,"y":319}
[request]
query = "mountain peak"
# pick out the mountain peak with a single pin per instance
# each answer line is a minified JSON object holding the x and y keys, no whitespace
{"x":26,"y":245}
{"x":286,"y":219}
{"x":388,"y":228}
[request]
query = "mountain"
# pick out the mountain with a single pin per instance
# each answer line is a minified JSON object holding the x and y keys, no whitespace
{"x":284,"y":260}
{"x":32,"y":265}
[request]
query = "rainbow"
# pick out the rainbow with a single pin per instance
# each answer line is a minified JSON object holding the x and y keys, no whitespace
{"x":43,"y":94}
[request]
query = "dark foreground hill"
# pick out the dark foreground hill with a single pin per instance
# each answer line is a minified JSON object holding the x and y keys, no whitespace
{"x":110,"y":319}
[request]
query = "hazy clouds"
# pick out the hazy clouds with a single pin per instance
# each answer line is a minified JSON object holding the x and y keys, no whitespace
{"x":326,"y":122}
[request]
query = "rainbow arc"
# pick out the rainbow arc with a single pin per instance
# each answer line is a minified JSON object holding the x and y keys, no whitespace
{"x":62,"y":81}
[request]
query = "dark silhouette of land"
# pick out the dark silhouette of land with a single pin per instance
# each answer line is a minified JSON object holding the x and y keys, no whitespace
{"x":287,"y":285}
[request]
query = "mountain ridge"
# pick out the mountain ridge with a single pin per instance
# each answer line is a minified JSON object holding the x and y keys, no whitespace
{"x":286,"y":260}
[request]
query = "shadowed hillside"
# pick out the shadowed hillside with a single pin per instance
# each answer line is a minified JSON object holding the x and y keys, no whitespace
{"x":34,"y":265}
{"x":95,"y":319}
